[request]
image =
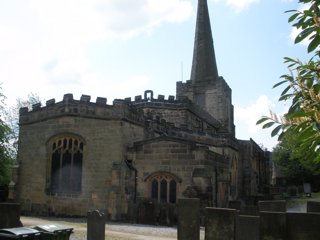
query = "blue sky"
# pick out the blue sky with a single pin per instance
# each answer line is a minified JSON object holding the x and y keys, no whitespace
{"x":120,"y":48}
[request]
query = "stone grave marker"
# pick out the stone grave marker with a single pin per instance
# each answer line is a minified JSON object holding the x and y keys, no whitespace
{"x":96,"y":225}
{"x":220,"y":223}
{"x":188,"y":219}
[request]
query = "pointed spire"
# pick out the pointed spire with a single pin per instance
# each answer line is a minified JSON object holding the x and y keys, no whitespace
{"x":204,"y":66}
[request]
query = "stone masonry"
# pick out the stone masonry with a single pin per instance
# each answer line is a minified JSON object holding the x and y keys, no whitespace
{"x":123,"y":158}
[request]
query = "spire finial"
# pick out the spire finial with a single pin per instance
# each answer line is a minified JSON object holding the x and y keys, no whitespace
{"x":204,"y":66}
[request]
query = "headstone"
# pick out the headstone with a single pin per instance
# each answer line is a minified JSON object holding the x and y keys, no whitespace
{"x":220,"y":223}
{"x":250,"y":210}
{"x":313,"y":206}
{"x":272,"y":206}
{"x":234,"y":205}
{"x":188,"y":219}
{"x":302,"y":226}
{"x":248,"y":228}
{"x":272,"y":226}
{"x":96,"y":226}
{"x":307,"y":189}
{"x":147,"y":212}
{"x":10,"y":215}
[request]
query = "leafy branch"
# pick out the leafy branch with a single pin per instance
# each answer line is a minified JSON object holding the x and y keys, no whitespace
{"x":302,"y":88}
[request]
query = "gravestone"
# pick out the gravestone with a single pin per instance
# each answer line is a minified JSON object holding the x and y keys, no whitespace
{"x":307,"y":189}
{"x":313,"y":206}
{"x":250,"y":210}
{"x":96,"y":226}
{"x":220,"y":223}
{"x":248,"y":228}
{"x":272,"y":206}
{"x":301,"y":226}
{"x":272,"y":226}
{"x":234,"y":205}
{"x":10,"y":215}
{"x":148,"y":212}
{"x":188,"y":219}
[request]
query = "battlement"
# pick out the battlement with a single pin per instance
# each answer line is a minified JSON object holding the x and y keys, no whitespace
{"x":126,"y":109}
{"x":81,"y":108}
{"x":120,"y":109}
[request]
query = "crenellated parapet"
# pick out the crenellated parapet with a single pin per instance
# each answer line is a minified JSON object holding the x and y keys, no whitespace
{"x":80,"y":108}
{"x":159,"y":114}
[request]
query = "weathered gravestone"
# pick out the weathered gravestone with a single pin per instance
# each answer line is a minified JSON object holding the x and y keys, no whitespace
{"x":234,"y":205}
{"x":249,"y":210}
{"x":303,"y":226}
{"x":313,"y":206}
{"x":307,"y":189}
{"x":272,"y":206}
{"x":148,"y":212}
{"x":273,"y":226}
{"x":10,"y":215}
{"x":248,"y":228}
{"x":188,"y":219}
{"x":220,"y":223}
{"x":96,"y":226}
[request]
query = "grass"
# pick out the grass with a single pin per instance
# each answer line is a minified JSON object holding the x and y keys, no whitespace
{"x":303,"y":199}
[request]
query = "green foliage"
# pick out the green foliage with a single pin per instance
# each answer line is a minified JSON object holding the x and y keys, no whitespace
{"x":302,"y":88}
{"x":5,"y":155}
{"x":291,"y":163}
{"x":12,"y":119}
{"x":5,"y":148}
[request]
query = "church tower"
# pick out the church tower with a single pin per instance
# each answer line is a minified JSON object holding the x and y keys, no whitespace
{"x":206,"y":88}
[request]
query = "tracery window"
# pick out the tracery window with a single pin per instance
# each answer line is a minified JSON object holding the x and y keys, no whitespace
{"x":163,"y":188}
{"x":66,"y":164}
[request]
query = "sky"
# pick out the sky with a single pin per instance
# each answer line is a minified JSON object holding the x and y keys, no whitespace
{"x":120,"y":48}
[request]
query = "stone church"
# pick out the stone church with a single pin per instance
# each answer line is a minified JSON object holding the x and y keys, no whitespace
{"x":77,"y":155}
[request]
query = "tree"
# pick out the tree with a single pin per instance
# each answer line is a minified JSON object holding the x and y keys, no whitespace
{"x":302,"y":88}
{"x":5,"y":147}
{"x":12,"y":119}
{"x":290,"y":162}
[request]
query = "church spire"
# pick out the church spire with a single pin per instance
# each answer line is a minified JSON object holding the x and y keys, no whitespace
{"x":204,"y":66}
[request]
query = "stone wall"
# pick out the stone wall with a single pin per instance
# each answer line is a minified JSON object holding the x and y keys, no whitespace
{"x":212,"y":96}
{"x":194,"y":166}
{"x":103,"y":165}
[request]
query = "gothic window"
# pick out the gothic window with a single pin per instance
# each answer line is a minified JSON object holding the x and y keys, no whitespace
{"x":163,"y":188}
{"x":66,"y":156}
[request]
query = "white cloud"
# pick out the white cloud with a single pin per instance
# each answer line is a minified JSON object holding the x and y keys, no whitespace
{"x":238,"y":5}
{"x":251,"y":114}
{"x":45,"y":44}
{"x":246,"y":118}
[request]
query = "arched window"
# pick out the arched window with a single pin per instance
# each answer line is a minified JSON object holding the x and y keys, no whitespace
{"x":163,"y":187}
{"x":66,"y":155}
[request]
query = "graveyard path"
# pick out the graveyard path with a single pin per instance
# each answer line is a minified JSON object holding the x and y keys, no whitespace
{"x":114,"y":231}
